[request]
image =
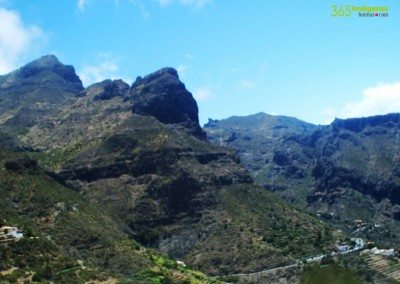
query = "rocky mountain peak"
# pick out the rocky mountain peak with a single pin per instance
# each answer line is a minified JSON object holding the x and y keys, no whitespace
{"x":162,"y":95}
{"x":45,"y":61}
{"x":43,"y":70}
{"x":166,"y":73}
{"x":49,"y":63}
{"x":39,"y":89}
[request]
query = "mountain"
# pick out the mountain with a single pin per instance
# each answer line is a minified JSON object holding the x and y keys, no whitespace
{"x":163,"y":96}
{"x":65,"y":238}
{"x":137,"y":156}
{"x":347,"y":172}
{"x":34,"y":91}
{"x":256,"y":137}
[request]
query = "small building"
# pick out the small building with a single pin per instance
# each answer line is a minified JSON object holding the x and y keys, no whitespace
{"x":181,"y":263}
{"x":7,"y":232}
{"x":384,"y":252}
{"x":343,"y":248}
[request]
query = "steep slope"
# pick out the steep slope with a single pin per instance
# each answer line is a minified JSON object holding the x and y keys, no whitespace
{"x":346,"y":171}
{"x":357,"y":175}
{"x":190,"y":199}
{"x":140,"y":154}
{"x":67,"y":240}
{"x":163,"y":96}
{"x":271,"y":148}
{"x":98,"y":109}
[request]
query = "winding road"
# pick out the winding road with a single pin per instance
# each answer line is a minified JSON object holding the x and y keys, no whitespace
{"x":359,"y":245}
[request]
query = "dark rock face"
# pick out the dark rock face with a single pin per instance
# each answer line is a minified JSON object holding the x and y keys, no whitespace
{"x":359,"y":124}
{"x":360,"y":154}
{"x":22,"y":165}
{"x":9,"y":143}
{"x":281,"y":159}
{"x":164,"y":96}
{"x":396,"y":212}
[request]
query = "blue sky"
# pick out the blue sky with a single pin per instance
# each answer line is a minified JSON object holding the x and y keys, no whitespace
{"x":236,"y":57}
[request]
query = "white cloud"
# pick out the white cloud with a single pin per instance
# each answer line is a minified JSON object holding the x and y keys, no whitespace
{"x":327,"y":115}
{"x":16,"y":39}
{"x":188,"y":3}
{"x":81,"y":5}
{"x":381,"y":99}
{"x":377,"y":100}
{"x":96,"y":73}
{"x":182,"y":69}
{"x":105,"y":67}
{"x":203,"y":93}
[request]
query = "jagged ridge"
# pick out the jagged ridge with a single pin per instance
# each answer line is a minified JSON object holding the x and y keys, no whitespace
{"x":174,"y":190}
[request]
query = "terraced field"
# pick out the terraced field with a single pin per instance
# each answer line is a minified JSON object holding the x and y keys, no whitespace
{"x":388,"y":266}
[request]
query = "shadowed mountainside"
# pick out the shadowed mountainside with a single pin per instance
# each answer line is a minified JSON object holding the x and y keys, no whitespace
{"x":345,"y":171}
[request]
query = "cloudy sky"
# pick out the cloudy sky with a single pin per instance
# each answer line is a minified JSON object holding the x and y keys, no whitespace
{"x":237,"y":57}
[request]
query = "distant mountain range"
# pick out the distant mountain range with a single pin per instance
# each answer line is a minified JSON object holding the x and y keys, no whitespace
{"x":102,"y":180}
{"x":347,"y":173}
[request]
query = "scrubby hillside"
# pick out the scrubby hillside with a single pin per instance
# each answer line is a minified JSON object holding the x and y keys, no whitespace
{"x":65,"y":238}
{"x":36,"y":90}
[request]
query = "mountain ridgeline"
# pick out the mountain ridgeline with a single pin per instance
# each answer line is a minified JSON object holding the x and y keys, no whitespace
{"x":101,"y":174}
{"x":348,"y":173}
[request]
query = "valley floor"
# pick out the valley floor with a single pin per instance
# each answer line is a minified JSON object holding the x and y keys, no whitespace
{"x":382,"y":262}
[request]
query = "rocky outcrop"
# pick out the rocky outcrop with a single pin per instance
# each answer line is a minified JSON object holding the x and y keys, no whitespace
{"x":107,"y":90}
{"x":359,"y":124}
{"x":162,"y":95}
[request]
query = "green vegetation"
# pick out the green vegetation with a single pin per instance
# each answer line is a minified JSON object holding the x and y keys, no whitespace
{"x":278,"y":225}
{"x":329,"y":274}
{"x":109,"y":181}
{"x":350,"y":268}
{"x":60,"y":228}
{"x":56,"y":157}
